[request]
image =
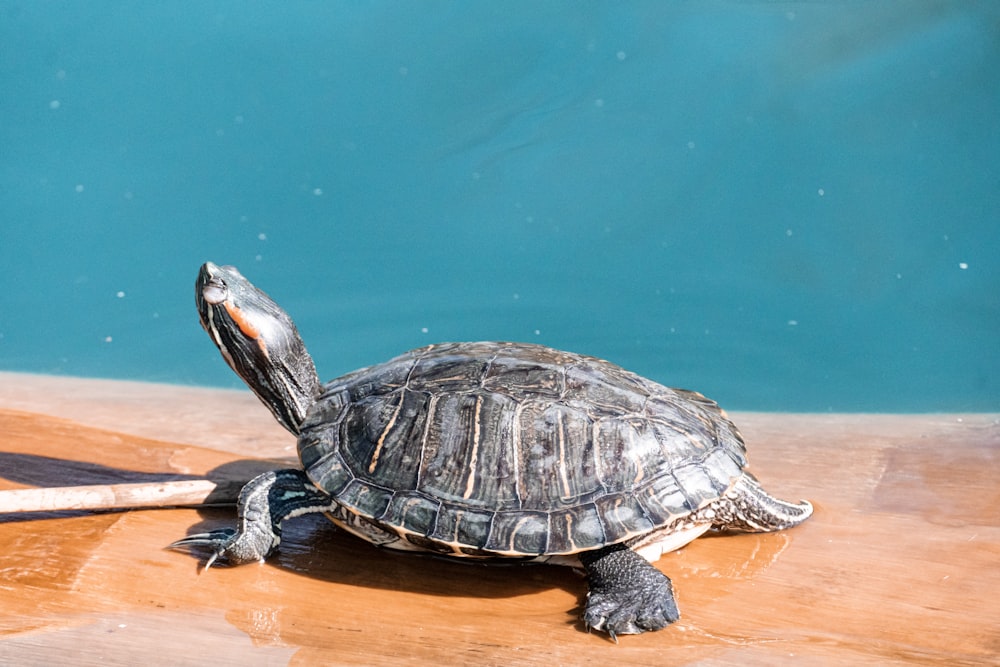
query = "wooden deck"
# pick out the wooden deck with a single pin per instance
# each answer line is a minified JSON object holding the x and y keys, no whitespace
{"x":899,"y":565}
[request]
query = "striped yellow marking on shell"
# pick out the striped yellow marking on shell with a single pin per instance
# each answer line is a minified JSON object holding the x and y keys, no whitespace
{"x":474,"y":456}
{"x":568,"y":518}
{"x":428,"y":422}
{"x":450,"y":378}
{"x":513,"y":534}
{"x":561,"y":437}
{"x":595,"y":437}
{"x":640,"y":473}
{"x":452,"y":540}
{"x":515,"y":452}
{"x":385,"y":432}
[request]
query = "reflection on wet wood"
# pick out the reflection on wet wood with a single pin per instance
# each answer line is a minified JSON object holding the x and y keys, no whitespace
{"x":898,"y":565}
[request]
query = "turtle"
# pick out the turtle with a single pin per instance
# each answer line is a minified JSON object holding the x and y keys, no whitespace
{"x":488,"y":450}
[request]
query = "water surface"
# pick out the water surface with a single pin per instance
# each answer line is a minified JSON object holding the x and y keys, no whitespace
{"x":788,"y":206}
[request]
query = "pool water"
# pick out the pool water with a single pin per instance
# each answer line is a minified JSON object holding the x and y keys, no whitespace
{"x":787,"y":206}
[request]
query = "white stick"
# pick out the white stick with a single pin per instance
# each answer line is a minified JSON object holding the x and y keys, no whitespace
{"x":185,"y":493}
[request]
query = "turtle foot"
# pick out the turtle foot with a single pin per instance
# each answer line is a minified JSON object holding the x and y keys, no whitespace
{"x":264,"y":503}
{"x":226,"y":544}
{"x":627,"y":595}
{"x":652,"y":610}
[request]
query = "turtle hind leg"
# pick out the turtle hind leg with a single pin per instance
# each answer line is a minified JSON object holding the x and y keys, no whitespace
{"x":748,"y":508}
{"x":264,"y":503}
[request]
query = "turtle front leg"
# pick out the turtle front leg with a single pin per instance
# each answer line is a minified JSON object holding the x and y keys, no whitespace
{"x":264,"y":503}
{"x":627,"y":595}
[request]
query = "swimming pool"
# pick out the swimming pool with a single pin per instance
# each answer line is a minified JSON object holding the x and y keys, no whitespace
{"x":786,"y":207}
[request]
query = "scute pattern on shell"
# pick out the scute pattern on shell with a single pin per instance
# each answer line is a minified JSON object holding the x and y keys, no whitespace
{"x":515,"y":449}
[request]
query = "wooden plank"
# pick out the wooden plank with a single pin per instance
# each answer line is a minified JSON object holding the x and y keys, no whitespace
{"x":897,"y":566}
{"x":185,"y":493}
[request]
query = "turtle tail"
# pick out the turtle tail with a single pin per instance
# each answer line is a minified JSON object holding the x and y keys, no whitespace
{"x":748,"y":508}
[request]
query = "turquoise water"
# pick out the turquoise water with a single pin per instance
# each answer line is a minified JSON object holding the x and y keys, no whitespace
{"x":787,"y":206}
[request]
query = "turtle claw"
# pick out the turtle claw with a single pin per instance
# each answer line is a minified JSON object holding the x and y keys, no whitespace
{"x":218,"y":541}
{"x":264,"y":502}
{"x":652,"y":610}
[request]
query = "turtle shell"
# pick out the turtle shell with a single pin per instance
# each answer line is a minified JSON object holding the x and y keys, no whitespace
{"x":509,"y":449}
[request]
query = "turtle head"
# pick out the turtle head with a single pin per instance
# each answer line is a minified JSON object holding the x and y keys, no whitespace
{"x":259,"y":341}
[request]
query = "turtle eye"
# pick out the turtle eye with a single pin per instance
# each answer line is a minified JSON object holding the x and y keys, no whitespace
{"x":215,"y":291}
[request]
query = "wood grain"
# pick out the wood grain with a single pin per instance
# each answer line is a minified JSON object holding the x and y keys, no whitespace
{"x":183,"y":493}
{"x":897,"y":566}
